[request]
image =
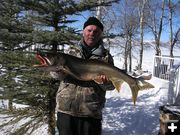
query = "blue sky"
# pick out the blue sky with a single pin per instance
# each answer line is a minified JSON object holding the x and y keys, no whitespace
{"x":165,"y":33}
{"x":148,"y":35}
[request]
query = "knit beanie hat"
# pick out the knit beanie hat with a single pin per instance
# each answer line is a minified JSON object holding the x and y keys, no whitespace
{"x":93,"y":21}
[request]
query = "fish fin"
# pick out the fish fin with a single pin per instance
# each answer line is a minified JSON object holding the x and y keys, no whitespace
{"x":146,"y":77}
{"x":143,"y":85}
{"x":134,"y":91}
{"x":139,"y":85}
{"x":117,"y":84}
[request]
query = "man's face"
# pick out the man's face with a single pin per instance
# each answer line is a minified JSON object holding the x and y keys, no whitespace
{"x":92,"y":35}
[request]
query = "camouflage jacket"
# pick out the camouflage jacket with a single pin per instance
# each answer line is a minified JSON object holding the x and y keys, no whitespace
{"x":83,"y":98}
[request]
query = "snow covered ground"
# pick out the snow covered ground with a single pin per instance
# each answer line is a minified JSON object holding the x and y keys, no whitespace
{"x":120,"y":116}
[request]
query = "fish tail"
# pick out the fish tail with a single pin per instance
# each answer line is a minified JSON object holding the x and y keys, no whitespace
{"x":139,"y":85}
{"x":143,"y":85}
{"x":134,"y":91}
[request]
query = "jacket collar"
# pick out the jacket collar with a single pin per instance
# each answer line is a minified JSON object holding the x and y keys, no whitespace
{"x":97,"y":50}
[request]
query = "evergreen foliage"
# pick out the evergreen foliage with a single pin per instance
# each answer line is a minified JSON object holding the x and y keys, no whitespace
{"x":15,"y":28}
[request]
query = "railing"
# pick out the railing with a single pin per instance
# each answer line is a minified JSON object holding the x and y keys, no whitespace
{"x":168,"y":68}
{"x":174,"y":86}
{"x":163,"y":65}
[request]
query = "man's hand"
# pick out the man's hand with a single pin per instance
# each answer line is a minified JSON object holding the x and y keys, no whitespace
{"x":101,"y":79}
{"x":104,"y":78}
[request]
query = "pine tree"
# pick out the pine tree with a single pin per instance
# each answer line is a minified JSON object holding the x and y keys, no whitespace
{"x":15,"y":29}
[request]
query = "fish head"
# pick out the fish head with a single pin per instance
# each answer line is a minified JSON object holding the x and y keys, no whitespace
{"x":49,"y":59}
{"x":51,"y":62}
{"x":43,"y":59}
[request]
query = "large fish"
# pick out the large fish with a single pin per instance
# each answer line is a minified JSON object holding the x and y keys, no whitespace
{"x":90,"y":69}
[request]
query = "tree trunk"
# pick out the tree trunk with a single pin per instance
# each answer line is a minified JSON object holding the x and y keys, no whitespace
{"x":99,"y":10}
{"x":51,"y":107}
{"x":170,"y":27}
{"x":160,"y":30}
{"x":126,"y":54}
{"x":129,"y":52}
{"x":10,"y":104}
{"x":141,"y":34}
{"x":141,"y":44}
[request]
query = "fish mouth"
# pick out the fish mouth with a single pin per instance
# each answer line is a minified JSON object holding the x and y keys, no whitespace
{"x":44,"y":61}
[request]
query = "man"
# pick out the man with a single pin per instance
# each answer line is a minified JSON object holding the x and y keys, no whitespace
{"x":80,"y":103}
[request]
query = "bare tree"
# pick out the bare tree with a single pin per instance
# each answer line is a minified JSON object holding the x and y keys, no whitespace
{"x":141,"y":6}
{"x":107,"y":15}
{"x":175,"y":38}
{"x":156,"y":23}
{"x":128,"y":22}
{"x":99,"y":10}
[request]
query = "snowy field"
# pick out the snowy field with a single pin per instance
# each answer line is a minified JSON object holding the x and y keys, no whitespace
{"x":120,"y":116}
